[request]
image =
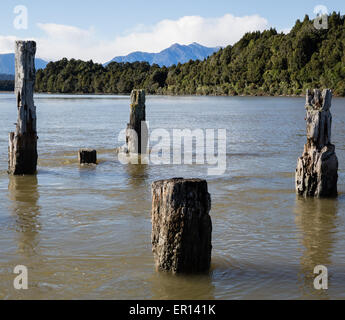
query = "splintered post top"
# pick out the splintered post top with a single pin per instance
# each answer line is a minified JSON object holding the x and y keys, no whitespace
{"x":24,"y":85}
{"x":138,"y":97}
{"x":315,"y":100}
{"x":25,"y":59}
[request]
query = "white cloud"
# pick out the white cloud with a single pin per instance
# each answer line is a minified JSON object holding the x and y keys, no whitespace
{"x":60,"y":32}
{"x":206,"y":31}
{"x":285,"y":30}
{"x":62,"y":41}
{"x":68,"y":41}
{"x":7,"y":44}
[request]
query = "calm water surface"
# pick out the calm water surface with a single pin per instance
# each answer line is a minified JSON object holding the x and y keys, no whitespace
{"x":85,"y":232}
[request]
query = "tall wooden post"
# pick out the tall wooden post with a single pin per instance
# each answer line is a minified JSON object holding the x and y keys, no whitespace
{"x":181,"y":225}
{"x":136,"y":133}
{"x":23,"y":142}
{"x":317,"y":169}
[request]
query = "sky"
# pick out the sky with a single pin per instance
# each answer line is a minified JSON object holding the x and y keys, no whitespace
{"x":100,"y":30}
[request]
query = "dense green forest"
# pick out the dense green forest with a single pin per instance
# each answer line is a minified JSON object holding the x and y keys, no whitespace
{"x":6,"y":85}
{"x":260,"y":63}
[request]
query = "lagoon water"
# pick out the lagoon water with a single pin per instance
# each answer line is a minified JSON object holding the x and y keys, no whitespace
{"x":84,"y":232}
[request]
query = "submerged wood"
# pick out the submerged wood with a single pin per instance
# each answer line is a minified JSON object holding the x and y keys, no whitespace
{"x":137,"y":132}
{"x":181,"y":225}
{"x":317,"y":169}
{"x":23,"y":142}
{"x":87,"y":156}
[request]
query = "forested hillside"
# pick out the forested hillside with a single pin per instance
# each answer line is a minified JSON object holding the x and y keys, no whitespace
{"x":6,"y":85}
{"x":260,"y":63}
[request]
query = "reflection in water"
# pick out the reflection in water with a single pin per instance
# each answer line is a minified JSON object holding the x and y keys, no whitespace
{"x":87,"y":170}
{"x":137,"y":174}
{"x":94,"y":242}
{"x":24,"y":196}
{"x":316,"y":220}
{"x":185,"y":287}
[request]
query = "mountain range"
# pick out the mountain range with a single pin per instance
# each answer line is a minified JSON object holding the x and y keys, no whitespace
{"x":7,"y":63}
{"x":6,"y":77}
{"x":175,"y":54}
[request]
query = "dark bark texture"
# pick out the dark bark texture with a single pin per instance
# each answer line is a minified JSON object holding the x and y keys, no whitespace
{"x":181,"y":225}
{"x":317,"y":169}
{"x":137,"y":131}
{"x":22,"y":157}
{"x":87,"y":156}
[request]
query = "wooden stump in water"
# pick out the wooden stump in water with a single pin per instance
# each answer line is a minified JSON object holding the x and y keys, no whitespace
{"x":87,"y":156}
{"x":22,"y":150}
{"x":181,"y":225}
{"x":317,"y":169}
{"x":137,"y":132}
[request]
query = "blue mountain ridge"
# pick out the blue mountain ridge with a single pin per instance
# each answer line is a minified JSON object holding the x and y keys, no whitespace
{"x":7,"y":63}
{"x":175,"y":54}
{"x":6,"y":76}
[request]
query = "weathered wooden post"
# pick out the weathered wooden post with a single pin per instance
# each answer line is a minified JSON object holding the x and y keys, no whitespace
{"x":181,"y":225}
{"x":317,"y":169}
{"x":23,"y":142}
{"x":87,"y":156}
{"x":136,"y":133}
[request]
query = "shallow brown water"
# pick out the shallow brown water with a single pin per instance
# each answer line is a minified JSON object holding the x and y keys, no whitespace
{"x":84,"y":233}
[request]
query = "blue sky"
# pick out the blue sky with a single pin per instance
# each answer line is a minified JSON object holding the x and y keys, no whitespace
{"x":101,"y":29}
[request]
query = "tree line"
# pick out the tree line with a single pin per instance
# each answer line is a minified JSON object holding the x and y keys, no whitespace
{"x":6,"y":85}
{"x":261,"y":63}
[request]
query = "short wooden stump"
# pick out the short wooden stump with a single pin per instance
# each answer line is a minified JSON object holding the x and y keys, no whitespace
{"x":87,"y":156}
{"x":181,"y":225}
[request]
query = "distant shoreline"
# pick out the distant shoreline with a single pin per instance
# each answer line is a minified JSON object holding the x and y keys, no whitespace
{"x":172,"y":95}
{"x":163,"y":95}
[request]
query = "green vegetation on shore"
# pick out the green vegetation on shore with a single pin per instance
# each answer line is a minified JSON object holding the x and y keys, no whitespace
{"x":6,"y":85}
{"x":261,"y":63}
